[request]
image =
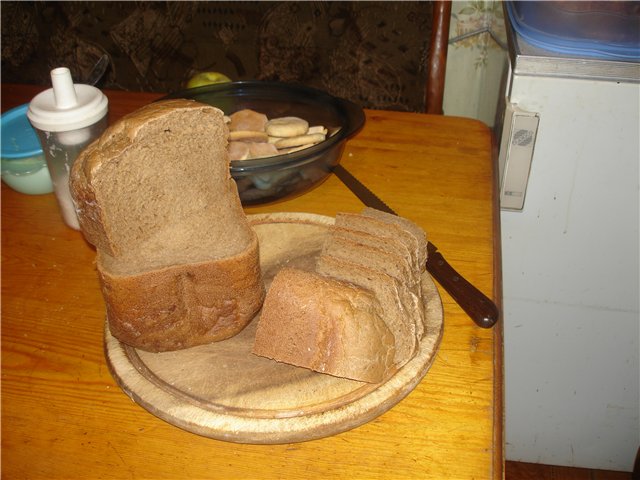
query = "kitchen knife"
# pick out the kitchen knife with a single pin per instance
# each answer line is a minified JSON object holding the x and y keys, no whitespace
{"x":476,"y":304}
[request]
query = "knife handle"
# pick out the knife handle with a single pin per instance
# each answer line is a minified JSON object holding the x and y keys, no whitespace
{"x":475,"y":303}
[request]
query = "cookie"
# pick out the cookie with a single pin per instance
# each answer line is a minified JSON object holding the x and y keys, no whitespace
{"x":299,"y":140}
{"x":248,"y":136}
{"x":318,"y":129}
{"x":247,"y":120}
{"x":238,"y":151}
{"x":262,"y":150}
{"x":286,"y":127}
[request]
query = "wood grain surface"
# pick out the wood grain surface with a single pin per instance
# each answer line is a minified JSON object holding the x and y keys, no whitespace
{"x":64,"y":416}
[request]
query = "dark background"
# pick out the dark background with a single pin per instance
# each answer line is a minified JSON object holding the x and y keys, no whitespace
{"x":373,"y":53}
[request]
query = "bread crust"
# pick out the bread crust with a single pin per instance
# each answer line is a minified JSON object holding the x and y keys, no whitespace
{"x":325,"y":325}
{"x":182,"y":306}
{"x":397,"y":315}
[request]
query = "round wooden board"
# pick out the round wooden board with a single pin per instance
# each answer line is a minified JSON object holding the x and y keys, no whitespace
{"x":225,"y":392}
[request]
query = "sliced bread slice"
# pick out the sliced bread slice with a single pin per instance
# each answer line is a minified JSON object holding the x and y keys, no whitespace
{"x":387,"y":290}
{"x":374,"y":226}
{"x":373,"y":257}
{"x":325,"y":325}
{"x":381,"y":260}
{"x":415,"y":230}
{"x":388,"y":244}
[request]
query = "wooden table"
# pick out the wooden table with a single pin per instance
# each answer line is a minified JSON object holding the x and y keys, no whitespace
{"x":63,"y":416}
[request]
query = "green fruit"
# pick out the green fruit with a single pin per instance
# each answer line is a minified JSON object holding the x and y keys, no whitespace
{"x":207,"y":78}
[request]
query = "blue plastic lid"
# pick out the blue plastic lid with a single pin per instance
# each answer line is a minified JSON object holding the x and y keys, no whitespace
{"x":19,"y":139}
{"x":605,"y":30}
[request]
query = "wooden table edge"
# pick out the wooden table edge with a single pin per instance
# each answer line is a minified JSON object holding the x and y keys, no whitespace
{"x":498,"y":329}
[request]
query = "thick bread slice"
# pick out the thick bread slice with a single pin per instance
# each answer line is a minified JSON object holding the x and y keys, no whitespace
{"x":418,"y":233}
{"x":388,"y":291}
{"x":374,"y":226}
{"x":373,"y":257}
{"x":325,"y":325}
{"x":163,"y":167}
{"x":387,"y":255}
{"x":176,"y":257}
{"x":388,"y":244}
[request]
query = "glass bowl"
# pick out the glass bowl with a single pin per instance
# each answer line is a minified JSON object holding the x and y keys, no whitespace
{"x":265,"y":180}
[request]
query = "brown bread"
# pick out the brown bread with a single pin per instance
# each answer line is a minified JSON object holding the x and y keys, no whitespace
{"x":375,"y":249}
{"x":388,"y":244}
{"x":396,"y":313}
{"x":375,"y":226}
{"x":409,"y":226}
{"x":176,"y":257}
{"x":373,"y":257}
{"x":325,"y":325}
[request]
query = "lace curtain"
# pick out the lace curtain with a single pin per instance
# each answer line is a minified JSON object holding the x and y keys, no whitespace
{"x":477,"y":60}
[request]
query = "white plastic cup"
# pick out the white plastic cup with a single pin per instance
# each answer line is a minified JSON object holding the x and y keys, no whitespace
{"x":67,"y":118}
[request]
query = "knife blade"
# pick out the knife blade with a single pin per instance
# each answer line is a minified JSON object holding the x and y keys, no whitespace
{"x":475,"y":303}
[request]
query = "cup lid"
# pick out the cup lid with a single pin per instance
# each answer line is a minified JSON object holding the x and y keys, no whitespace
{"x":19,"y":139}
{"x":67,"y":106}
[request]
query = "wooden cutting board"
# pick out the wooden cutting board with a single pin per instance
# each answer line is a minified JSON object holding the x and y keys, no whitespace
{"x":225,"y":392}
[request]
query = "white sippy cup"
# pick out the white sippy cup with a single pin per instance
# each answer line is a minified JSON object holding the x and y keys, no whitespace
{"x":67,"y":118}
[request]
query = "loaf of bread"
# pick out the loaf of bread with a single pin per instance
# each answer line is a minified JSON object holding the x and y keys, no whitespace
{"x":312,"y":319}
{"x":386,"y":254}
{"x":177,"y":260}
{"x":325,"y":325}
{"x":354,"y":248}
{"x":396,"y":312}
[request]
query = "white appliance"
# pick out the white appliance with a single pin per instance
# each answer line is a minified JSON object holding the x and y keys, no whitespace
{"x":569,"y":156}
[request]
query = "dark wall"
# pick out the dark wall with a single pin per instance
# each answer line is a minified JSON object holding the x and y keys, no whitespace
{"x":373,"y":53}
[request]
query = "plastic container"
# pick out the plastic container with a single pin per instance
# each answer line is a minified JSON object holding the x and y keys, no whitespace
{"x":605,"y":29}
{"x":24,"y":167}
{"x":278,"y":177}
{"x":67,"y":118}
